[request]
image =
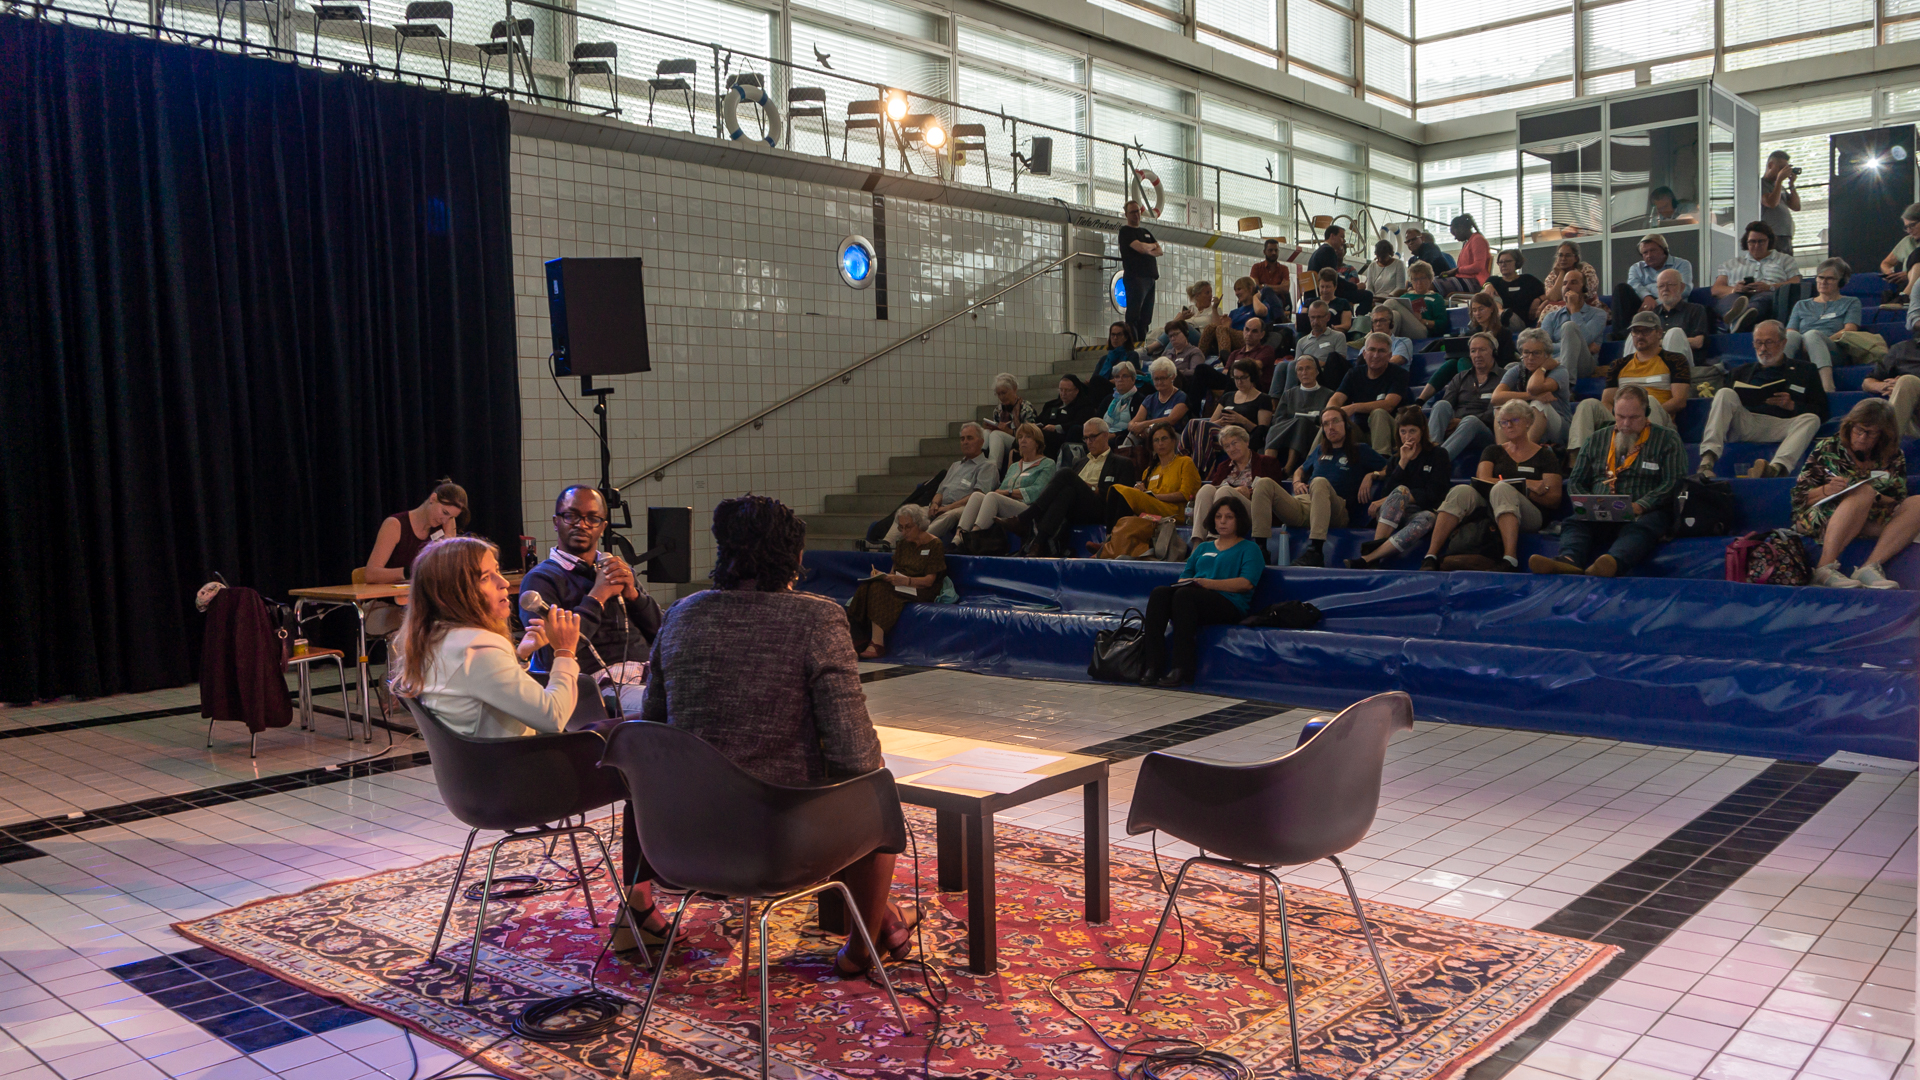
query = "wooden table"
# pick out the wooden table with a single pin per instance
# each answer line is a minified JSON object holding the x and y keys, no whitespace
{"x":964,"y":828}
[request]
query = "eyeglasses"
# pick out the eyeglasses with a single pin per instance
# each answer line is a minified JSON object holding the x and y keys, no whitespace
{"x":591,"y":521}
{"x":1826,"y":277}
{"x":1508,"y":421}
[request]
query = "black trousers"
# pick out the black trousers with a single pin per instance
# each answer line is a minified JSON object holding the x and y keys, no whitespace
{"x":1065,"y":501}
{"x":1188,"y":608}
{"x":1139,"y":305}
{"x":1626,"y":304}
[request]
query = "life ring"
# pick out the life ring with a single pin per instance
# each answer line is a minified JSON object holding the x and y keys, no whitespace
{"x":1142,"y":178}
{"x":730,"y":111}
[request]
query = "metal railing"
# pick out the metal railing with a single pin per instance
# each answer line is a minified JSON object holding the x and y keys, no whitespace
{"x":658,"y":471}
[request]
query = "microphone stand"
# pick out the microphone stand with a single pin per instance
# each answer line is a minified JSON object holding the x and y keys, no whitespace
{"x":612,"y":539}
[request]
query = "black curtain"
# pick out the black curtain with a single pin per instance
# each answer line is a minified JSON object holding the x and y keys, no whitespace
{"x":247,"y":309}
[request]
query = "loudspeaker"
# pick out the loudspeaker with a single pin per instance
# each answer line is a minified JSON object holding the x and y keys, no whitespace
{"x":1873,"y":178}
{"x":1040,"y":162}
{"x":670,"y":527}
{"x":598,"y":312}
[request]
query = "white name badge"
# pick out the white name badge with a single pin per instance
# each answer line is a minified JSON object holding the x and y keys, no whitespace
{"x":1796,"y":389}
{"x":1526,"y":468}
{"x":1877,"y":474}
{"x":1486,"y":395}
{"x":1650,"y":466}
{"x":926,"y":551}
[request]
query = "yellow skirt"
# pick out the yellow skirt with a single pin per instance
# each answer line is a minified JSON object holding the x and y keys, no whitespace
{"x":1144,"y":503}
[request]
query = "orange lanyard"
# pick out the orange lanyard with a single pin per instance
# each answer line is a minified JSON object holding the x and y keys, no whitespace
{"x":1614,"y":465}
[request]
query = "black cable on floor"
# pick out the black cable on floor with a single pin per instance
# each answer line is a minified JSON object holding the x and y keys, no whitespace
{"x":591,"y":1011}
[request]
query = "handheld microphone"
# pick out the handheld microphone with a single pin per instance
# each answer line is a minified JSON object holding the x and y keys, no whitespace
{"x":534,"y":604}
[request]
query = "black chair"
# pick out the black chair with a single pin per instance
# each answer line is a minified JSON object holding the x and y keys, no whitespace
{"x":865,"y":114}
{"x":712,"y":830}
{"x":798,"y":98}
{"x":599,"y":58}
{"x":972,"y":138}
{"x":326,"y":13}
{"x":519,"y":786}
{"x":661,"y":84}
{"x":1309,"y":804}
{"x":508,"y":39}
{"x":423,"y":21}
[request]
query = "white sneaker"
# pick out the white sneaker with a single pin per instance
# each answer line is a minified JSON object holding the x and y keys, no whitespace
{"x":1831,"y":577}
{"x":1734,"y":311}
{"x":1873,"y":577}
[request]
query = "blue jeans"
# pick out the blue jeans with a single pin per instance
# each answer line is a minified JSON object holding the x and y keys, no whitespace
{"x":1139,"y":305}
{"x":1471,"y":435}
{"x":1629,"y":544}
{"x":1760,"y":302}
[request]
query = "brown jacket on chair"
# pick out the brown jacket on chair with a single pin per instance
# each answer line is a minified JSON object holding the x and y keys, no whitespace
{"x":243,"y":667}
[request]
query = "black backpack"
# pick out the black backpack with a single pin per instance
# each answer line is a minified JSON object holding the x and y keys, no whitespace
{"x":1704,"y":508}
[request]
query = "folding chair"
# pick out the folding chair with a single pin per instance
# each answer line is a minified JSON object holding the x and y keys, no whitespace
{"x":797,"y":97}
{"x":660,"y":84}
{"x":507,"y":40}
{"x":599,"y":58}
{"x":423,"y":21}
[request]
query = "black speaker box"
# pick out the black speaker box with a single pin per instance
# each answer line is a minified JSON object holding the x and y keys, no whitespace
{"x":598,"y":311}
{"x":671,"y":527}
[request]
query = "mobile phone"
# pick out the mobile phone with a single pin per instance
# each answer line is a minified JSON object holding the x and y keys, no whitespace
{"x":1746,"y":281}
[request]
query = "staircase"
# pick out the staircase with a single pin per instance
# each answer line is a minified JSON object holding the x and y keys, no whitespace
{"x":846,"y":517}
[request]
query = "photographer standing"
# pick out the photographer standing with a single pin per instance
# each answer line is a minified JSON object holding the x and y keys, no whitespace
{"x":1778,"y":198}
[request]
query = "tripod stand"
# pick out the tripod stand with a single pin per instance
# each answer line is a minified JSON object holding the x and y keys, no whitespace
{"x":613,"y":539}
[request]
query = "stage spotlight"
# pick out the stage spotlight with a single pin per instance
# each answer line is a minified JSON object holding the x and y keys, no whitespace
{"x":856,"y":262}
{"x":896,"y":105}
{"x":1117,"y":292}
{"x":1898,"y":153}
{"x":1872,"y":162}
{"x":934,"y":135}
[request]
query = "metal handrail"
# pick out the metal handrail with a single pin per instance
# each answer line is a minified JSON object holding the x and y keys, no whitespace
{"x":658,"y":472}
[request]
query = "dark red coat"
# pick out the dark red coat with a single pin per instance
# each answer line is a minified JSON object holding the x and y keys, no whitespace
{"x":243,"y":668}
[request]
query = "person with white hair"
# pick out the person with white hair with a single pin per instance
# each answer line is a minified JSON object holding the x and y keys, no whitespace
{"x":1518,"y":481}
{"x":1124,"y":401}
{"x":1772,"y":400}
{"x":974,"y":474}
{"x":1164,"y":406}
{"x":1541,"y":384}
{"x":1372,"y":393}
{"x":919,"y":564}
{"x":1073,"y":496}
{"x":1006,"y":417}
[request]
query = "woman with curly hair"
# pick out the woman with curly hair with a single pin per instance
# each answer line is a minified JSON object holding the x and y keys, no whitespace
{"x":769,"y":677}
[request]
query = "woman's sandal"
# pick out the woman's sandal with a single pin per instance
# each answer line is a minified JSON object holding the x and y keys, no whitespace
{"x":894,"y":945}
{"x":623,"y":940}
{"x":873,"y":652}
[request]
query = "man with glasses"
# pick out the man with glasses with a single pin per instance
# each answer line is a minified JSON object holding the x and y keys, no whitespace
{"x":1540,"y":382}
{"x":1684,"y":325}
{"x":1665,"y":377}
{"x":1771,"y":400}
{"x":1641,"y":292}
{"x":1629,"y":457}
{"x":1744,"y":288}
{"x":1896,"y":268}
{"x":618,"y":619}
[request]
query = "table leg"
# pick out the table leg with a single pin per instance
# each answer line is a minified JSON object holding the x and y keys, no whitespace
{"x":950,"y":848}
{"x":1094,"y":798}
{"x":983,"y":939}
{"x":366,"y":691}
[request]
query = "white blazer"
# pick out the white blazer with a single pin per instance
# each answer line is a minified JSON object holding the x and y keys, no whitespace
{"x":477,"y":687}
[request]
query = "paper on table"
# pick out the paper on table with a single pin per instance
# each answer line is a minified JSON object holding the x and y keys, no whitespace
{"x":902,"y":766}
{"x":968,"y":778}
{"x":987,"y":757}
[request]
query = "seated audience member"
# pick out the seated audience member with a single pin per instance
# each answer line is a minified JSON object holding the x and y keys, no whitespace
{"x":1419,"y":313}
{"x":1247,"y":408}
{"x":919,"y":562}
{"x":1371,"y":394}
{"x":1026,"y":477}
{"x":1296,"y":415}
{"x":1164,"y":405}
{"x":1214,"y":587}
{"x":1475,"y":264}
{"x":1321,"y":341}
{"x":1421,"y":247}
{"x":1744,"y":286}
{"x":1409,"y":488}
{"x":1386,"y":275}
{"x":1200,"y":313}
{"x":452,"y":654}
{"x":1863,"y":455}
{"x":795,"y":714}
{"x":1666,"y":208}
{"x":1483,"y":317}
{"x":617,"y":619}
{"x":1522,"y":486}
{"x":1913,"y":308}
{"x":1897,"y":268}
{"x":1640,"y":293}
{"x":1073,"y":496}
{"x":1061,"y":419}
{"x":1518,"y":292}
{"x":1128,"y":392}
{"x":1380,"y":321}
{"x":1248,"y":305}
{"x":1326,"y":486}
{"x":1815,"y":320}
{"x":1257,"y":350}
{"x":1664,"y":376}
{"x":1332,"y":255}
{"x":1540,"y":384}
{"x":974,"y":474}
{"x":1773,"y":399}
{"x":1896,"y":377}
{"x":1006,"y":418}
{"x":1168,"y":487}
{"x":1684,"y":325}
{"x":1120,"y":350}
{"x":1339,"y":309}
{"x":1577,"y":327}
{"x":1187,"y":358}
{"x":1271,"y":274}
{"x":1630,"y":457}
{"x":1232,"y":478}
{"x":1462,"y":419}
{"x":402,"y":535}
{"x":1566,"y":265}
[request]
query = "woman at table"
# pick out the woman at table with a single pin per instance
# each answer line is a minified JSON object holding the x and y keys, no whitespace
{"x":769,"y":677}
{"x":1215,"y":586}
{"x":401,"y":536}
{"x":453,"y":655}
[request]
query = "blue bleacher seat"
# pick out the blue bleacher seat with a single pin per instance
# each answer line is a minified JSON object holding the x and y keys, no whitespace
{"x":1866,"y":285}
{"x":1850,"y":376}
{"x":1610,"y":351}
{"x":1457,"y":318}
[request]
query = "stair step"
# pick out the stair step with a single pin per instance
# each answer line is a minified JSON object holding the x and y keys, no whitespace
{"x":1047,"y":382}
{"x":917,"y":466}
{"x":823,"y":542}
{"x":948,"y":447}
{"x":1075,"y":365}
{"x":879,"y":483}
{"x":873,"y":506}
{"x":829,"y":524}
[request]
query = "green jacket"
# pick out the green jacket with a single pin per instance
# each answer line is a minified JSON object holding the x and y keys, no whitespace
{"x":1654,"y":478}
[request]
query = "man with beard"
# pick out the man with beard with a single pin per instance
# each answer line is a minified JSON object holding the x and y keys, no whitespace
{"x":1630,"y":457}
{"x":617,"y":618}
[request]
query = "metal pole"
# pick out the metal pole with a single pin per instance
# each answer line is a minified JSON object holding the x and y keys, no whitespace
{"x":718,"y":133}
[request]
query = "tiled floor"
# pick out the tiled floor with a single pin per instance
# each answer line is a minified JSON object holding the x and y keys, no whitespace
{"x":1801,"y":966}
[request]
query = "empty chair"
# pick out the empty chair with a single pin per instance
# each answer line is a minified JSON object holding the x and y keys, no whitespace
{"x":809,"y":101}
{"x":326,"y":13}
{"x":508,"y":39}
{"x":865,"y":114}
{"x":1303,"y":806}
{"x":303,"y":663}
{"x":714,"y":830}
{"x":423,"y":21}
{"x":972,"y":139}
{"x":662,"y":84}
{"x":520,"y":786}
{"x":599,"y":58}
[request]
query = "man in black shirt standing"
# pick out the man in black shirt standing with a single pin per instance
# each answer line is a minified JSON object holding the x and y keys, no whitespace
{"x":1332,"y":255}
{"x":1139,"y":270}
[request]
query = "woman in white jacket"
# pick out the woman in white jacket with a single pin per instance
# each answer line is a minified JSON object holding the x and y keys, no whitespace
{"x":455,"y":657}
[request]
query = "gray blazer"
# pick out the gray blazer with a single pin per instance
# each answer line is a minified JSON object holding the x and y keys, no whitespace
{"x":770,"y":679}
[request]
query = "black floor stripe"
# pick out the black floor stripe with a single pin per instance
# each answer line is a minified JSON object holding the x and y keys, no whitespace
{"x":25,"y":730}
{"x":1141,"y":743}
{"x":16,"y":840}
{"x":894,"y":672}
{"x":247,"y":1009}
{"x":1638,"y":907}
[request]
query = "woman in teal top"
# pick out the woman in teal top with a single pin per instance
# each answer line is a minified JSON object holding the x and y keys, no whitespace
{"x":1215,"y":586}
{"x":1026,"y":478}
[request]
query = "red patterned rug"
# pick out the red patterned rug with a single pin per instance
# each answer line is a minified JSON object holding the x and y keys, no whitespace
{"x":1466,"y":987}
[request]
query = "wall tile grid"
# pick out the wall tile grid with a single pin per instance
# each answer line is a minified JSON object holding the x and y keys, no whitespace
{"x":745,"y":306}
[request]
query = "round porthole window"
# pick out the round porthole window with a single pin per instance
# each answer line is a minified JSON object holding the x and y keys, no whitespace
{"x":1117,"y":293}
{"x":856,"y":261}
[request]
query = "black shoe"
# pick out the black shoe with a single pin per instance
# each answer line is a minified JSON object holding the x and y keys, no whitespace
{"x":1358,"y":564}
{"x":1175,"y":677}
{"x":1148,"y":677}
{"x":1370,"y":546}
{"x":1311,"y":555}
{"x":1431,"y":562}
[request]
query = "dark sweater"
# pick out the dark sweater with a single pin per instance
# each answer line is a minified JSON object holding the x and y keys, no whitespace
{"x":1428,"y":478}
{"x":621,"y":630}
{"x":1802,"y":385}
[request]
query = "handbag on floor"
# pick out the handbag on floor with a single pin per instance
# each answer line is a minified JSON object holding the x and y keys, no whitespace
{"x":1120,"y":654}
{"x":1131,"y":538}
{"x":1774,"y":557}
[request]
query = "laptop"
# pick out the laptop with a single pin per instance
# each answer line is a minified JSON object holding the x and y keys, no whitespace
{"x":1610,"y":508}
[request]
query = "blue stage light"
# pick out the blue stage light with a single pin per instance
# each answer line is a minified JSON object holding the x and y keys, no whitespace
{"x":857,"y":262}
{"x":1117,"y":292}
